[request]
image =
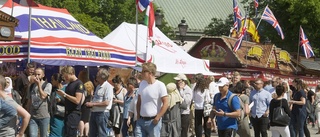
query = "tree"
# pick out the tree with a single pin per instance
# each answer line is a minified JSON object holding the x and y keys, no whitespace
{"x":101,"y":16}
{"x":219,"y":27}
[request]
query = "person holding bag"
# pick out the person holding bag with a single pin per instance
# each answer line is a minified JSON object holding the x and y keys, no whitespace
{"x":276,"y":127}
{"x":201,"y":98}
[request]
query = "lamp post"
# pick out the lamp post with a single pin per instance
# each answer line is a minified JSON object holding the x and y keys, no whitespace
{"x":183,"y":27}
{"x":159,"y":16}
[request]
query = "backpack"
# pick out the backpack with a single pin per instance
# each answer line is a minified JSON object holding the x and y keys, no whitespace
{"x":242,"y":114}
{"x":55,"y":108}
{"x":32,"y":86}
{"x":16,"y":96}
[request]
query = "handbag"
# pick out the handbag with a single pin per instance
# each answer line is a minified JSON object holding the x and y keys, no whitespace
{"x":280,"y":116}
{"x":207,"y":107}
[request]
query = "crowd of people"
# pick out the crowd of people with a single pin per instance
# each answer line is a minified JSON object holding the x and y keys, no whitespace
{"x":142,"y":106}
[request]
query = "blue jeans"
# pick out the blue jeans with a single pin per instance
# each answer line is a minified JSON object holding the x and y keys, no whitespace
{"x":297,"y":123}
{"x":98,"y":124}
{"x":42,"y":124}
{"x":145,"y":128}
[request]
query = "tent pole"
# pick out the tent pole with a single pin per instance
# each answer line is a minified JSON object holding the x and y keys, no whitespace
{"x":136,"y":48}
{"x":29,"y":35}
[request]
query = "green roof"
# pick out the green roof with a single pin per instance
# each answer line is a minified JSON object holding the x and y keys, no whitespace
{"x":197,"y":13}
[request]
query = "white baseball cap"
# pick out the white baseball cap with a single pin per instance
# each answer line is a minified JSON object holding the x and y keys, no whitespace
{"x":222,"y":81}
{"x":180,"y":77}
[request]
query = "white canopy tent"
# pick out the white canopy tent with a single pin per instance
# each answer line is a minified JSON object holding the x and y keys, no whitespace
{"x":168,"y":56}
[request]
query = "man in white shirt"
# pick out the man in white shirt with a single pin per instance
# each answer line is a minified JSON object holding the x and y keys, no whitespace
{"x":152,"y":103}
{"x":101,"y":105}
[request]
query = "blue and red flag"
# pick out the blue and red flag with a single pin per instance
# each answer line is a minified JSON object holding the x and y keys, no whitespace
{"x":305,"y":44}
{"x":271,"y":19}
{"x":256,"y":5}
{"x":238,"y":43}
{"x":25,"y":2}
{"x":237,"y":16}
{"x":142,"y":4}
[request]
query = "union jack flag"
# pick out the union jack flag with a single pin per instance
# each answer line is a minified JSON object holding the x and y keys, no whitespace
{"x":238,"y":43}
{"x":269,"y":17}
{"x":237,"y":15}
{"x":305,"y":44}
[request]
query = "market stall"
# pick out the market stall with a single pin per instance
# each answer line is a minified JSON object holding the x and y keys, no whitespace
{"x":168,"y":57}
{"x":57,"y":38}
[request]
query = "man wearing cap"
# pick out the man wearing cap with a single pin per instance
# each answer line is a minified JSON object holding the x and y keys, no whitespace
{"x":152,"y":103}
{"x":226,"y":118}
{"x":186,"y":93}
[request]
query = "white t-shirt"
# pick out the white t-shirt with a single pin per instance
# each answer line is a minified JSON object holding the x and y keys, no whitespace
{"x":132,"y":107}
{"x":150,"y":95}
{"x":103,"y":92}
{"x":199,"y":98}
{"x":213,"y":90}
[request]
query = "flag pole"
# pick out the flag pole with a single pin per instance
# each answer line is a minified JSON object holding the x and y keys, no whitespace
{"x":29,"y":34}
{"x":12,"y":8}
{"x":147,"y":45}
{"x":136,"y":48}
{"x":261,"y":18}
{"x":298,"y":49}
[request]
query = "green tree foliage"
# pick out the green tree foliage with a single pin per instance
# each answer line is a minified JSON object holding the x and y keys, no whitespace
{"x":218,"y":27}
{"x":101,"y":16}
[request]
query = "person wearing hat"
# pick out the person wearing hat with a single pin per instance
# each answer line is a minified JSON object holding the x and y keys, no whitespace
{"x":171,"y":120}
{"x":226,"y":118}
{"x":186,"y":93}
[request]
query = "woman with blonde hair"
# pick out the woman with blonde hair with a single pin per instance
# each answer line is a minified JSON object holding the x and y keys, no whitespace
{"x":85,"y":111}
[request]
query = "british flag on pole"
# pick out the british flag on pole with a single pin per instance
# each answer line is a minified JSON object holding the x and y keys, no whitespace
{"x":271,"y":19}
{"x":238,"y":43}
{"x":237,"y":16}
{"x":305,"y":44}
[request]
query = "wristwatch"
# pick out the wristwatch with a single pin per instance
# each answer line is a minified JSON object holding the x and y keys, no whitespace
{"x":65,"y":95}
{"x":224,"y":114}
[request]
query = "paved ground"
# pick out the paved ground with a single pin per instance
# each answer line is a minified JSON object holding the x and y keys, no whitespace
{"x":313,"y":132}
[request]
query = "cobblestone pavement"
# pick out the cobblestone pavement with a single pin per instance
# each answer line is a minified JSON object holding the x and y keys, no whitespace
{"x":312,"y":130}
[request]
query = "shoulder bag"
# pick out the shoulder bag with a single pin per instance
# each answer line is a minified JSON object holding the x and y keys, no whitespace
{"x":280,"y":116}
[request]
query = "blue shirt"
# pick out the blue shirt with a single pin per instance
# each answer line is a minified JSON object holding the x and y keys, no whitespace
{"x":127,"y":102}
{"x":222,"y":121}
{"x":261,"y":99}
